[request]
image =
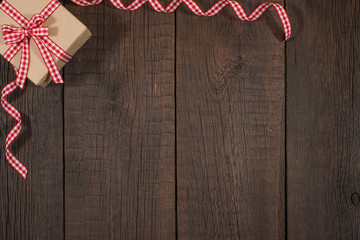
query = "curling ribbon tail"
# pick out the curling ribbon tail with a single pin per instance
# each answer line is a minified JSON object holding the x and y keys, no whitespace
{"x":215,"y":9}
{"x":15,"y":131}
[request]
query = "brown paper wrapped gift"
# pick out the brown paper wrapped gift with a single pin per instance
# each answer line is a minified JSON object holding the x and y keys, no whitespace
{"x":64,"y":29}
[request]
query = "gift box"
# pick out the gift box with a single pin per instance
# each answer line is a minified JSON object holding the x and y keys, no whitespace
{"x":64,"y":29}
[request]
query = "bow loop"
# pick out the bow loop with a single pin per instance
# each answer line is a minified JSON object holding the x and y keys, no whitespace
{"x":6,"y":29}
{"x":40,"y":32}
{"x":12,"y":34}
{"x":36,"y":21}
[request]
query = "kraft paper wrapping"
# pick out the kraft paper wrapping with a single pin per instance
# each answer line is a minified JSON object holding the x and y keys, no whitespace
{"x":64,"y":29}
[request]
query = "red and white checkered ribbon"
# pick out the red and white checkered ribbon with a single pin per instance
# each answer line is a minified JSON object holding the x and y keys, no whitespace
{"x":215,"y":9}
{"x":19,"y":38}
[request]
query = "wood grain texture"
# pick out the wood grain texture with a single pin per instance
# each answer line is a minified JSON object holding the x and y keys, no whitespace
{"x":175,"y":127}
{"x":230,"y":126}
{"x":33,"y":209}
{"x":119,"y":126}
{"x":323,"y":116}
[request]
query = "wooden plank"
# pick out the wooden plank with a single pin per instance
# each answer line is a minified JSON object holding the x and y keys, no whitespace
{"x":230,"y":126}
{"x":33,"y":209}
{"x":119,"y":127}
{"x":323,"y":119}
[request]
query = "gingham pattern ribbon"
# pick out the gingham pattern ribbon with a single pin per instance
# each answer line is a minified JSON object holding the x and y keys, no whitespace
{"x":19,"y":38}
{"x":215,"y":9}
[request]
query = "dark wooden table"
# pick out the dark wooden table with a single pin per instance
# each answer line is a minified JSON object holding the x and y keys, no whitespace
{"x":173,"y":126}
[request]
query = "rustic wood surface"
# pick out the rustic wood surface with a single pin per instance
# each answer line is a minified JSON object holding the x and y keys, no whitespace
{"x":174,"y":126}
{"x":230,"y":128}
{"x":120,"y":128}
{"x":323,"y":121}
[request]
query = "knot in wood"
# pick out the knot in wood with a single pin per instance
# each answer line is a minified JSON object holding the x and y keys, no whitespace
{"x":355,"y":198}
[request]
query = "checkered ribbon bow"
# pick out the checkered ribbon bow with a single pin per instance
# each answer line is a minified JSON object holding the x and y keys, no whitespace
{"x":215,"y":9}
{"x":19,"y":39}
{"x":18,"y":36}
